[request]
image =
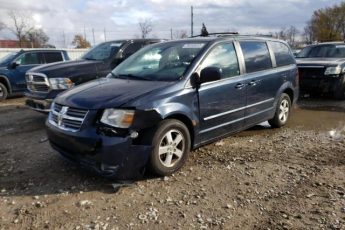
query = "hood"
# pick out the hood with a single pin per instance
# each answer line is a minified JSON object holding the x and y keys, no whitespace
{"x":320,"y":61}
{"x":108,"y":93}
{"x":68,"y":68}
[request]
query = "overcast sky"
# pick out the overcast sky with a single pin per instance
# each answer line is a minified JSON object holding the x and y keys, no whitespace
{"x":120,"y":17}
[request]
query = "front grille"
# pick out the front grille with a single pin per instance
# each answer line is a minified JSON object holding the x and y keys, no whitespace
{"x":311,"y":72}
{"x":37,"y":82}
{"x":67,"y":118}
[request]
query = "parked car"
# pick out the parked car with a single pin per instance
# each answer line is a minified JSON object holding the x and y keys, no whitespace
{"x":172,"y":97}
{"x":322,"y":69}
{"x":295,"y":52}
{"x":14,"y":66}
{"x":46,"y":82}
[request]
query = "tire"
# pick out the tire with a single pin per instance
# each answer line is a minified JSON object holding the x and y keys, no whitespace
{"x":3,"y":92}
{"x":168,"y":157}
{"x":282,"y":113}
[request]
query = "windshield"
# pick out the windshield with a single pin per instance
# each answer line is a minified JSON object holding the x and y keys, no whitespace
{"x":323,"y":51}
{"x":102,"y":51}
{"x":160,"y":62}
{"x":8,"y":57}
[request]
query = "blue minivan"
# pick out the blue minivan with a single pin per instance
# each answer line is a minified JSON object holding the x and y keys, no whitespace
{"x":14,"y":66}
{"x":170,"y":98}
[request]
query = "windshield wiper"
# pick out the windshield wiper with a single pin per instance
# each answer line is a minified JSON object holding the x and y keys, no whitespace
{"x":90,"y":59}
{"x":130,"y":76}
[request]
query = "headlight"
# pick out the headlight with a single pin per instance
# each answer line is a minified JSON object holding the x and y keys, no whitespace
{"x":61,"y":83}
{"x":333,"y":70}
{"x":118,"y":118}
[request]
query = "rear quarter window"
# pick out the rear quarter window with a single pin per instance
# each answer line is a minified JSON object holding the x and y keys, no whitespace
{"x":282,"y":54}
{"x":51,"y":57}
{"x":256,"y":56}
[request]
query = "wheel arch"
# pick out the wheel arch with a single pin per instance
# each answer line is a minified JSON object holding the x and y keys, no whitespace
{"x":290,"y":93}
{"x":4,"y":80}
{"x":186,"y":121}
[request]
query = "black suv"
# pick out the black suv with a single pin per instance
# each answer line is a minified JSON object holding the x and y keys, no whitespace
{"x":14,"y":66}
{"x":46,"y":82}
{"x":322,"y":69}
{"x":172,"y":97}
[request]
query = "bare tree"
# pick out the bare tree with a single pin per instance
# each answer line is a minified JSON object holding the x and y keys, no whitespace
{"x":21,"y":25}
{"x":180,"y":34}
{"x":145,"y":27}
{"x":308,"y":33}
{"x":291,"y":34}
{"x":37,"y":38}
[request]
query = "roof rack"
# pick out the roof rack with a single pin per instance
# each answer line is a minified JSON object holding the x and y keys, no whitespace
{"x":219,"y":34}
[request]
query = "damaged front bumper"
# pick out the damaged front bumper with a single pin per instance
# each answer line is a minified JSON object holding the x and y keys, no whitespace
{"x":112,"y":157}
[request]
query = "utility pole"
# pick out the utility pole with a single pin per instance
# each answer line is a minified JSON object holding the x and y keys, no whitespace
{"x":105,"y":35}
{"x":93,"y":35}
{"x":171,"y":37}
{"x":192,"y":18}
{"x":84,"y":33}
{"x":64,"y":39}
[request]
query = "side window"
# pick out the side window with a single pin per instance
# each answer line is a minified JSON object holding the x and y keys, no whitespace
{"x":282,"y":54}
{"x":224,"y":57}
{"x":34,"y":58}
{"x":256,"y":56}
{"x":53,"y":57}
{"x":132,"y":48}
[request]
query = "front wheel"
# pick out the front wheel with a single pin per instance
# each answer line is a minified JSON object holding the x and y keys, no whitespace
{"x":172,"y":143}
{"x":282,"y":112}
{"x":3,"y":92}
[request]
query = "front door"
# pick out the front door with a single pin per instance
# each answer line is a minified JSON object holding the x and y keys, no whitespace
{"x":25,"y":62}
{"x":222,"y":103}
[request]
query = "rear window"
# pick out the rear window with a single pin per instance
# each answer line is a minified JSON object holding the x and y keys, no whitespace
{"x":53,"y":57}
{"x":256,"y":56}
{"x":282,"y":54}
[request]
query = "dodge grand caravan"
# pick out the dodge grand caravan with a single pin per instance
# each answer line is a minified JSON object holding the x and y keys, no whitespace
{"x":172,"y":97}
{"x":45,"y":82}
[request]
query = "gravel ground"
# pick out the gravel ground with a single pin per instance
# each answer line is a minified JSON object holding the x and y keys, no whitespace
{"x":262,"y":178}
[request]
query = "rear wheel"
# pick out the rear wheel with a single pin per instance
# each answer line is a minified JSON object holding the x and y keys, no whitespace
{"x":282,"y":113}
{"x":171,"y":142}
{"x":3,"y":92}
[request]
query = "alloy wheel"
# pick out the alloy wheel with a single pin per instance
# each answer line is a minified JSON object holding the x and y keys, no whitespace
{"x":284,"y":110}
{"x":171,"y":148}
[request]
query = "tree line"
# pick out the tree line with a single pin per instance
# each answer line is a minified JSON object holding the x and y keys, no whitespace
{"x":326,"y":24}
{"x":23,"y":28}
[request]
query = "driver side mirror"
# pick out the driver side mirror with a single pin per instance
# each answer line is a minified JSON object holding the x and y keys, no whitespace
{"x":13,"y":65}
{"x":210,"y":74}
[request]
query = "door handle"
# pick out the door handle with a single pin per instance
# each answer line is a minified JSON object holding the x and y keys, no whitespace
{"x":240,"y":86}
{"x":252,"y":83}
